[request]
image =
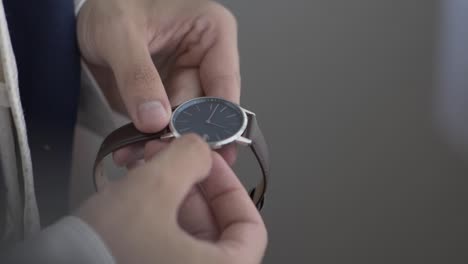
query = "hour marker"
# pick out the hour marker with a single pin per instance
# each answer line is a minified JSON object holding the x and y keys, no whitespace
{"x":187,"y":113}
{"x":211,"y":106}
{"x":224,"y":108}
{"x":229,"y":116}
{"x":184,"y":129}
{"x":229,"y":132}
{"x":182,"y":121}
{"x":217,"y":137}
{"x":198,"y":108}
{"x":206,"y":137}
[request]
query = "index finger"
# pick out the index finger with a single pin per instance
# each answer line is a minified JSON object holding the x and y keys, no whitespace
{"x":243,"y":232}
{"x":219,"y":69}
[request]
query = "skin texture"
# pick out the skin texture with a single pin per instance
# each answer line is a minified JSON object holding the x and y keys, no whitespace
{"x":150,"y":53}
{"x":180,"y":202}
{"x":141,"y":210}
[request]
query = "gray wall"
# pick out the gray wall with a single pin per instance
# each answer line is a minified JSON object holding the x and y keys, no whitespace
{"x":346,"y":93}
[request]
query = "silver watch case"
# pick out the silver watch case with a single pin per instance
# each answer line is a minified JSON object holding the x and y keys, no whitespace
{"x":238,"y":137}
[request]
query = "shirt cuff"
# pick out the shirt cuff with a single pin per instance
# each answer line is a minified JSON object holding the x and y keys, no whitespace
{"x":70,"y":240}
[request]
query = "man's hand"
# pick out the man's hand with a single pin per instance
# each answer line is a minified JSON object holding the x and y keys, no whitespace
{"x":151,"y":54}
{"x":140,"y":217}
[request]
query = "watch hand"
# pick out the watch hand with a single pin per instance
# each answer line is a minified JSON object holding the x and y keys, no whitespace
{"x":220,"y":126}
{"x":209,"y":118}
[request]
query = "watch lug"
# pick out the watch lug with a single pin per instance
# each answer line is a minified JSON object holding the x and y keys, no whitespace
{"x":168,"y":135}
{"x":215,"y":147}
{"x":248,"y":111}
{"x":244,"y":141}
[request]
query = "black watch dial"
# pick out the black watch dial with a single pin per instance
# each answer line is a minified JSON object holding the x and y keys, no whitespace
{"x":215,"y":119}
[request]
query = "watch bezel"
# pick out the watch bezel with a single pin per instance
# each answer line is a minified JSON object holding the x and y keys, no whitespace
{"x":219,"y":143}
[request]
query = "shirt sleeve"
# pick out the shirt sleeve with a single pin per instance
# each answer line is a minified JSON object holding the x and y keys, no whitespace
{"x":70,"y":240}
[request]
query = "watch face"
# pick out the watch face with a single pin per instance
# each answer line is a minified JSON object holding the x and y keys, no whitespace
{"x":218,"y":121}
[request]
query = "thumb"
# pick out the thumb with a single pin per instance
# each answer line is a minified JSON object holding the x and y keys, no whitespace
{"x":172,"y":173}
{"x":139,"y":83}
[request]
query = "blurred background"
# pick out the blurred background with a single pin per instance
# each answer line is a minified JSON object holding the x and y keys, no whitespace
{"x":365,"y":107}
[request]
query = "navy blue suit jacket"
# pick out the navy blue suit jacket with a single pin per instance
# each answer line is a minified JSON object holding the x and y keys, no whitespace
{"x":44,"y":41}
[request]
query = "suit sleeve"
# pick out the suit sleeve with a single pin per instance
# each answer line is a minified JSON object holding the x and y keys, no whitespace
{"x":70,"y":240}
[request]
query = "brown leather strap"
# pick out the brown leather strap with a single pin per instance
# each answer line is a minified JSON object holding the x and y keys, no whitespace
{"x":128,"y":135}
{"x":260,"y":149}
{"x":120,"y":138}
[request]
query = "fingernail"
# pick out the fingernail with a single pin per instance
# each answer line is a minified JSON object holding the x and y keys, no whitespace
{"x":150,"y":113}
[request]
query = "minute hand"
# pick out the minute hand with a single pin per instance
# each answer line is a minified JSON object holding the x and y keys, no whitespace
{"x":220,"y":126}
{"x":209,"y":118}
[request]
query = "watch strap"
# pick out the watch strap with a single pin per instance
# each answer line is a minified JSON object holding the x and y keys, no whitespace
{"x":120,"y":138}
{"x":260,"y":149}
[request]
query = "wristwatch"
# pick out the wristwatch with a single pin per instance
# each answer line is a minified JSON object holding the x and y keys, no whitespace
{"x":218,"y":121}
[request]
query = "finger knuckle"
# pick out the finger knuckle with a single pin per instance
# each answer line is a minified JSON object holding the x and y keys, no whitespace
{"x":224,"y":14}
{"x":219,"y":18}
{"x":230,"y":18}
{"x":142,"y":76}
